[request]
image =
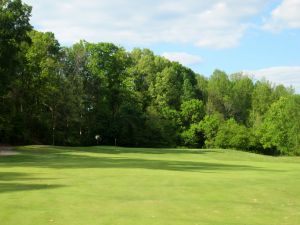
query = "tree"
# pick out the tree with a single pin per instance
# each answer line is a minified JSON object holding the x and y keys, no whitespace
{"x":107,"y":65}
{"x":77,"y":78}
{"x":219,"y":90}
{"x":14,"y":26}
{"x":209,"y":127}
{"x":45,"y":86}
{"x":159,"y":129}
{"x":59,"y":95}
{"x":241,"y":97}
{"x":168,"y":88}
{"x":233,"y":135}
{"x":189,"y":86}
{"x":261,"y":102}
{"x":281,"y":126}
{"x":201,"y":87}
{"x":192,"y":111}
{"x":193,"y":136}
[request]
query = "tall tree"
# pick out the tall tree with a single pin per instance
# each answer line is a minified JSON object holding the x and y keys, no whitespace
{"x":261,"y":101}
{"x":219,"y":91}
{"x":46,"y":85}
{"x":281,"y":126}
{"x":107,"y":64}
{"x":14,"y":27}
{"x":168,"y":88}
{"x":77,"y":78}
{"x":241,"y":97}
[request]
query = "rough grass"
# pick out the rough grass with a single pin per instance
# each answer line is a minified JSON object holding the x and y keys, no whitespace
{"x":106,"y":185}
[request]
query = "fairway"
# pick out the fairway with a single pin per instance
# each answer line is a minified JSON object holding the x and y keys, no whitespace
{"x":116,"y":186}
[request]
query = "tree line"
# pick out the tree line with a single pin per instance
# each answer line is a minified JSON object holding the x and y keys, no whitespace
{"x":52,"y":94}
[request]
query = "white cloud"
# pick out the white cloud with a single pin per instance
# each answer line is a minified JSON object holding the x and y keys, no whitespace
{"x":285,"y":16}
{"x":214,"y":24}
{"x":286,"y":75}
{"x":183,"y":58}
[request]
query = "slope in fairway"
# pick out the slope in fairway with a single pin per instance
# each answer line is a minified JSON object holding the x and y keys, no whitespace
{"x":106,"y":185}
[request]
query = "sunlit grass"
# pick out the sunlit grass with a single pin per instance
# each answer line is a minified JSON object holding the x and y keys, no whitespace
{"x":108,"y":185}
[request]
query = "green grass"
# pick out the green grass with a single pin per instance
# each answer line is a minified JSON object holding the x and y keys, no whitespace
{"x":104,"y":185}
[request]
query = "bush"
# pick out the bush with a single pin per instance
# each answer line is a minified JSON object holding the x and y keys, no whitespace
{"x":209,"y":127}
{"x":233,"y":135}
{"x":193,"y":137}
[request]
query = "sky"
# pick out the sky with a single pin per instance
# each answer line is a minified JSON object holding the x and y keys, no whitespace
{"x":257,"y":37}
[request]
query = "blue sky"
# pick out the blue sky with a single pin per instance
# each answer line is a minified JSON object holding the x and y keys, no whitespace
{"x":258,"y":37}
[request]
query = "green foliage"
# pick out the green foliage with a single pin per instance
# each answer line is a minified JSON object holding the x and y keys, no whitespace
{"x":241,"y":96}
{"x":281,"y":127}
{"x":45,"y":86}
{"x":14,"y":25}
{"x":192,"y":111}
{"x":159,"y":129}
{"x":167,"y":89}
{"x":193,"y":136}
{"x":107,"y":65}
{"x":67,"y":95}
{"x":232,"y":135}
{"x":210,"y":126}
{"x":219,"y":90}
{"x":261,"y":102}
{"x":201,"y":87}
{"x":281,"y":91}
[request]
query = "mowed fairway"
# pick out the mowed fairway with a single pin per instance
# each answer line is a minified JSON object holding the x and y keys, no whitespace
{"x":116,"y":186}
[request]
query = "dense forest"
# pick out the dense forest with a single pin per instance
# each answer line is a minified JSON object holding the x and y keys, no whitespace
{"x":58,"y":95}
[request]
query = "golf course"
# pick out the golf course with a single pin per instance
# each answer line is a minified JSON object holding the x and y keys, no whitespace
{"x":149,"y":112}
{"x":114,"y":185}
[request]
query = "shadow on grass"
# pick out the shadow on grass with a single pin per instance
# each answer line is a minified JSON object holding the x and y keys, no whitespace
{"x":116,"y":150}
{"x":12,"y":187}
{"x":7,"y":177}
{"x":60,"y":158}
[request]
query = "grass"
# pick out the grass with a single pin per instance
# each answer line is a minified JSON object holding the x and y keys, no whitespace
{"x":125,"y":186}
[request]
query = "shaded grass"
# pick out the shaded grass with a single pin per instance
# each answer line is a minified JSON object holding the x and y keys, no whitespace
{"x":107,"y":185}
